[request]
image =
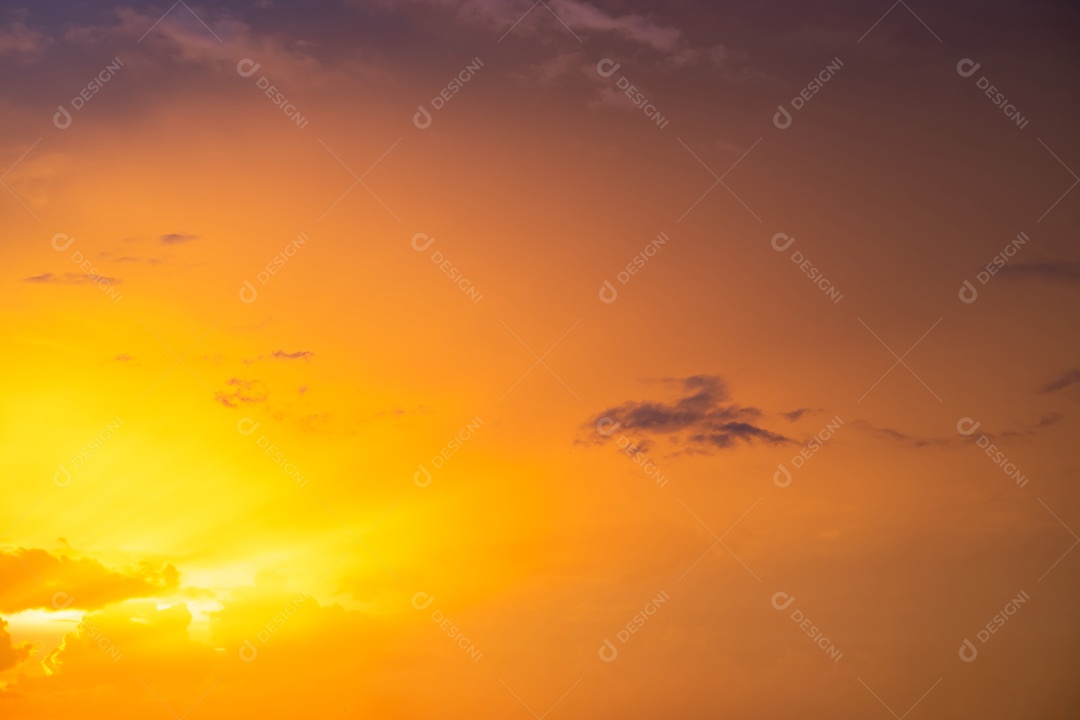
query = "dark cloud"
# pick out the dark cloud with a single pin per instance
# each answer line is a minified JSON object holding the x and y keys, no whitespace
{"x":35,"y":578}
{"x":242,"y":392}
{"x":1051,"y":270}
{"x":703,"y":419}
{"x":176,"y":238}
{"x":1061,"y":382}
{"x":282,"y":355}
{"x":794,"y":415}
{"x":70,"y":279}
{"x":1049,"y":419}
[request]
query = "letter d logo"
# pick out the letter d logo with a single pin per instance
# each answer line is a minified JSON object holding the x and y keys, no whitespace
{"x":422,"y":476}
{"x":62,"y":477}
{"x":782,"y":477}
{"x":781,"y":237}
{"x":248,"y":652}
{"x":64,"y":238}
{"x":968,"y":293}
{"x":62,"y":600}
{"x":421,"y":600}
{"x":62,"y":118}
{"x":605,"y":426}
{"x":247,"y":67}
{"x":608,"y":652}
{"x":246,"y":426}
{"x":967,"y":67}
{"x":968,"y":652}
{"x":421,"y":242}
{"x":782,"y":118}
{"x":782,"y":600}
{"x":422,"y":118}
{"x":606,"y":67}
{"x":966,"y":426}
{"x":608,"y":293}
{"x":248,"y":293}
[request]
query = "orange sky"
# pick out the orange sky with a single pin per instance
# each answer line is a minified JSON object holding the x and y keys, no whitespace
{"x":570,"y":359}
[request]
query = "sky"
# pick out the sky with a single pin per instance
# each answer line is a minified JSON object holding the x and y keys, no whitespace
{"x":553,"y":359}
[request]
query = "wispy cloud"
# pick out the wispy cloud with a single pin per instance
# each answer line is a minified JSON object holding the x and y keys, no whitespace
{"x":282,"y":355}
{"x":1061,"y":270}
{"x":243,"y":392}
{"x":795,"y":415}
{"x":887,"y":433}
{"x":70,"y":279}
{"x":177,"y":238}
{"x":1061,"y":382}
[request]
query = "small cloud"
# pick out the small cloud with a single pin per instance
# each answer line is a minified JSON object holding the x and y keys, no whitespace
{"x":70,"y":279}
{"x":1049,"y":419}
{"x":123,"y":358}
{"x":703,"y":417}
{"x":1032,"y":428}
{"x":1061,"y":270}
{"x":794,"y":415}
{"x":282,"y":355}
{"x":134,"y":259}
{"x":298,"y":355}
{"x":243,"y":392}
{"x":887,"y":433}
{"x":177,"y":238}
{"x":400,"y":411}
{"x":1061,"y":382}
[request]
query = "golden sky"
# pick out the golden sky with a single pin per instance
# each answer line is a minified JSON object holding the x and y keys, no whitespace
{"x":489,"y":358}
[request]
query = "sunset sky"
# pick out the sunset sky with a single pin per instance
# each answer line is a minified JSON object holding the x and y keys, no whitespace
{"x":570,"y":359}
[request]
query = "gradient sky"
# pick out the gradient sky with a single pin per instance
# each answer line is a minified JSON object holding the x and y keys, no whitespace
{"x":563,"y":360}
